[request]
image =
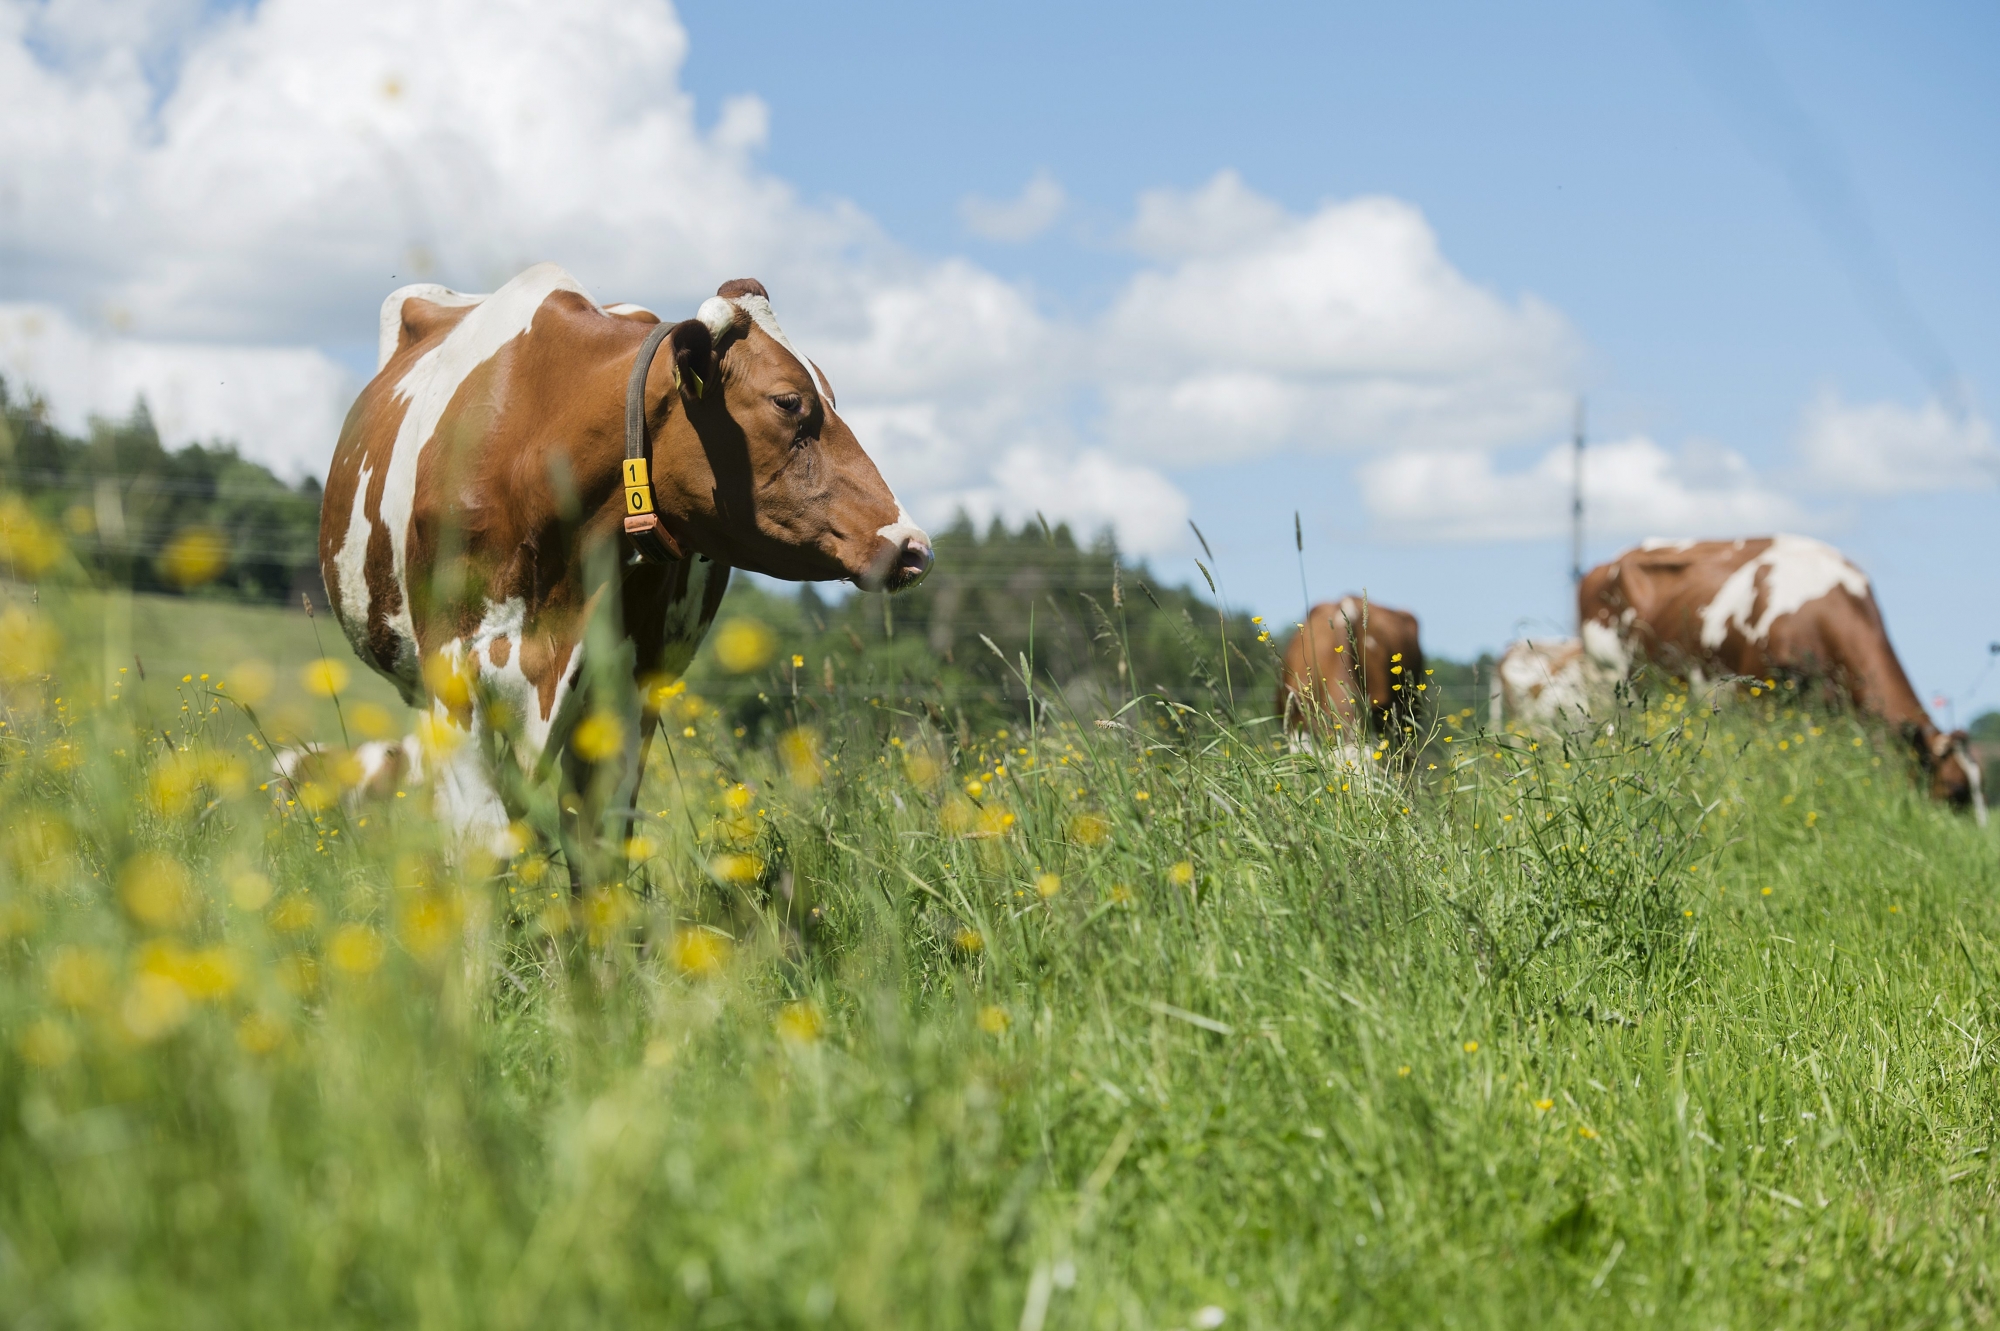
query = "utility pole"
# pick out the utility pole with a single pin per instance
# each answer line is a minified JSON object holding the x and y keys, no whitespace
{"x":1576,"y":504}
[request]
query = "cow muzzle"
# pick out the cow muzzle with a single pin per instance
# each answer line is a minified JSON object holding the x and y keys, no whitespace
{"x":899,"y":564}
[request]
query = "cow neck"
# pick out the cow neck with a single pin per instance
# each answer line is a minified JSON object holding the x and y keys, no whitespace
{"x":650,"y":537}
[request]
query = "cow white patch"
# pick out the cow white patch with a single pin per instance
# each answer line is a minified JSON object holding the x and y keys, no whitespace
{"x":1973,"y":779}
{"x":1565,"y":679}
{"x":466,"y":797}
{"x":1540,"y":680}
{"x":1666,"y":543}
{"x":350,"y":562}
{"x":902,"y":530}
{"x":625,"y":309}
{"x":719,"y":314}
{"x":391,"y":332}
{"x":390,"y":757}
{"x":1795,"y":570}
{"x":1605,"y":647}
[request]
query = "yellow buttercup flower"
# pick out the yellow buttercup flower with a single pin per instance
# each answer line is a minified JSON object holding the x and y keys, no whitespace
{"x":1090,"y":829}
{"x":736,"y":868}
{"x":195,"y":556}
{"x":800,"y":1022}
{"x":154,"y":1006}
{"x":698,"y":952}
{"x":154,"y":887}
{"x":295,"y":914}
{"x":355,"y":948}
{"x":260,"y":1033}
{"x":324,"y":678}
{"x":598,"y":736}
{"x":743,"y":645}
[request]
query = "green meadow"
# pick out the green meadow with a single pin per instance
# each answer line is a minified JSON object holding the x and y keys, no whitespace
{"x":1095,"y":1012}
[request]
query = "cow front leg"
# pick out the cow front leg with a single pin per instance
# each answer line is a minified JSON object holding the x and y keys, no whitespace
{"x":601,"y":768}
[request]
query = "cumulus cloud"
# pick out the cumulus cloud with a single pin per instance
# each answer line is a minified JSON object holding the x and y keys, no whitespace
{"x":199,"y":202}
{"x":308,"y":157}
{"x":1091,"y":490}
{"x":1632,"y":488}
{"x":1343,"y":330}
{"x":1886,"y":448}
{"x":285,"y":399}
{"x":1022,"y":218}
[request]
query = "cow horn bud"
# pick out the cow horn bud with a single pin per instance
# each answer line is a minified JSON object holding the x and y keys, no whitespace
{"x":719,"y":315}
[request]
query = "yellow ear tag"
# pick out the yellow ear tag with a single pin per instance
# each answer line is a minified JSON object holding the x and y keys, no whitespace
{"x":638,"y":493}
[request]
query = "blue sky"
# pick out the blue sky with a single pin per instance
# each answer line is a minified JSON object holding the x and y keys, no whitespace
{"x":1595,"y":155}
{"x":1121,"y":263}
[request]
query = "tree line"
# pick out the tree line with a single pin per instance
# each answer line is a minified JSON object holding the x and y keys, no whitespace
{"x":1010,"y":616}
{"x":129,"y":512}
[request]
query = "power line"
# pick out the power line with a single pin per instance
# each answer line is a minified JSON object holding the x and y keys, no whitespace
{"x":1576,"y":503}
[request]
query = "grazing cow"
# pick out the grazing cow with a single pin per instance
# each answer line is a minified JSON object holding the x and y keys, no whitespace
{"x":371,"y":771}
{"x":481,"y":507}
{"x":1547,"y":681}
{"x":1780,"y":605}
{"x":1348,"y":650}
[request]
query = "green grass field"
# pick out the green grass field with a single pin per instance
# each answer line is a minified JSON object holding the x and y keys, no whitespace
{"x":1150,"y":1024}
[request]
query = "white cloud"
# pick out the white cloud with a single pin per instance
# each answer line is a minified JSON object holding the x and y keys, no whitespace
{"x":1022,"y":218}
{"x":1885,"y":448}
{"x":1223,"y":217}
{"x":231,"y":189}
{"x":1090,"y":490}
{"x":1344,"y":330}
{"x":279,"y":401}
{"x":1632,"y":488}
{"x":309,"y":157}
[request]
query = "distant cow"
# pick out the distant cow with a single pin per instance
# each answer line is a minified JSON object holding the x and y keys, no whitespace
{"x":1548,"y":681}
{"x":1781,"y":605}
{"x":481,"y":496}
{"x":373,"y":770}
{"x":1349,"y":650}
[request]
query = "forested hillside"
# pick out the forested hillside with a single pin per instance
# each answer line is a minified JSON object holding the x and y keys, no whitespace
{"x":1090,"y":629}
{"x":1003,"y":608}
{"x":129,"y":512}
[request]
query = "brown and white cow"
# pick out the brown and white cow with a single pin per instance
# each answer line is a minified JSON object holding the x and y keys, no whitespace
{"x":1762,"y":608}
{"x":368,"y":773}
{"x":1554,"y":682}
{"x":478,"y":481}
{"x":1347,"y":651}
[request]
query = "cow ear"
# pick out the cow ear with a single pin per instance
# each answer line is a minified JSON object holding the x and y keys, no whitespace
{"x":692,"y":347}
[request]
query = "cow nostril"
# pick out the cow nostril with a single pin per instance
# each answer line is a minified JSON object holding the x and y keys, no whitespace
{"x":913,"y":561}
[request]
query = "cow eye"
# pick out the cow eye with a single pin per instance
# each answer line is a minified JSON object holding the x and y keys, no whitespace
{"x":790,"y":403}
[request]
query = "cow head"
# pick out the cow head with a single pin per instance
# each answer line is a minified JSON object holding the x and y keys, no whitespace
{"x":1954,"y":773}
{"x":777,"y":484}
